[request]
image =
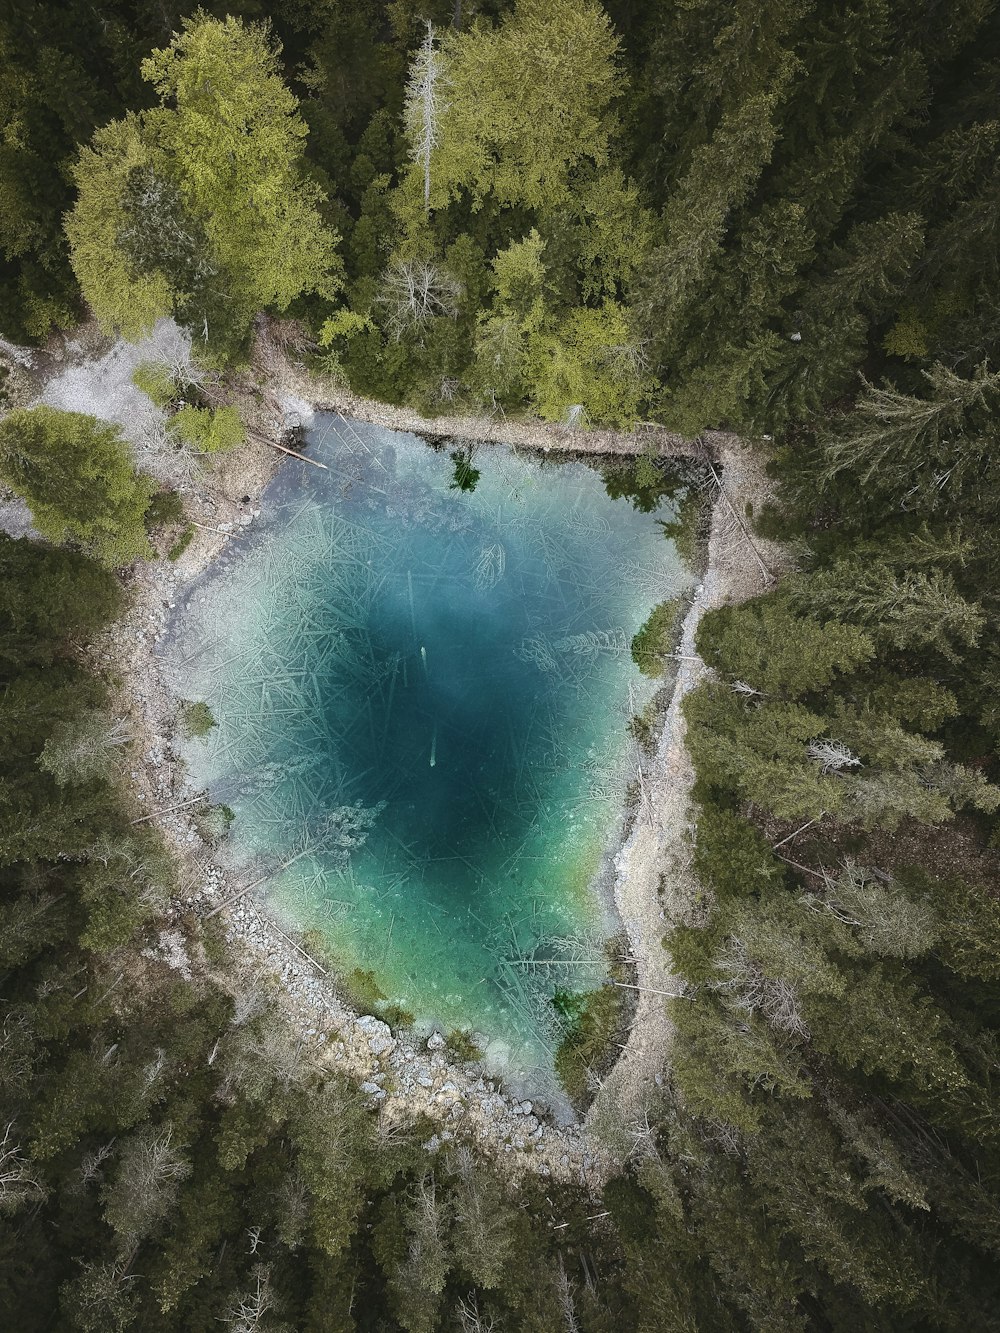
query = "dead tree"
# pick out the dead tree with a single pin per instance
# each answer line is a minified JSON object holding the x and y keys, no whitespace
{"x":414,"y":292}
{"x":18,"y":1183}
{"x":423,"y":106}
{"x":832,"y":756}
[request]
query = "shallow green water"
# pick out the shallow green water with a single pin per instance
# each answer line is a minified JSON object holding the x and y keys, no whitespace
{"x":422,"y":695}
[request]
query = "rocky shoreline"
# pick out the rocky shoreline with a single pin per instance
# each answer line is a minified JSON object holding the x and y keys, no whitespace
{"x":402,"y":1076}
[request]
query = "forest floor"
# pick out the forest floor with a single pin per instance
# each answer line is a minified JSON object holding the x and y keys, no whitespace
{"x":655,"y":887}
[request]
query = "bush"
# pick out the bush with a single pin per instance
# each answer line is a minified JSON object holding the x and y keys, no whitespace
{"x":592,"y":1019}
{"x":207,"y":431}
{"x":213,"y":822}
{"x":197,"y":719}
{"x":182,"y":543}
{"x":462,"y":1047}
{"x":654,"y":641}
{"x":156,"y":381}
{"x":593,"y":1022}
{"x":642,"y":726}
{"x":396,"y":1015}
{"x":166,"y":507}
{"x":362,"y":991}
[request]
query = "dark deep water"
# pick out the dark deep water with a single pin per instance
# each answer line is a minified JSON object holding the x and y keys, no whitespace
{"x":422,"y":695}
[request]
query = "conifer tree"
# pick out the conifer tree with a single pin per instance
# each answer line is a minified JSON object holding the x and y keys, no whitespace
{"x":77,"y":476}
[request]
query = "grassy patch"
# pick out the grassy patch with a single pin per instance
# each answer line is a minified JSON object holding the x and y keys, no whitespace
{"x":196,"y":718}
{"x":461,"y":1046}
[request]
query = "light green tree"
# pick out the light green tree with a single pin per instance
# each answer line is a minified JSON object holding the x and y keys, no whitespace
{"x":526,"y":102}
{"x":199,"y":207}
{"x":593,"y":360}
{"x":208,"y":431}
{"x":76,"y":474}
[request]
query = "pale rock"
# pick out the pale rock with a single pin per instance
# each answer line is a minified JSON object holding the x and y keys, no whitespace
{"x":380,"y":1038}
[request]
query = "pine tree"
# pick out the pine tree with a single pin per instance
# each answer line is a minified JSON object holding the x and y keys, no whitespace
{"x":912,"y":609}
{"x":77,"y":477}
{"x":766,"y":645}
{"x":905,"y":444}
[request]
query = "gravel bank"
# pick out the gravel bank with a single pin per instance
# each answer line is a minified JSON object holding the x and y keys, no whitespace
{"x":401,"y":1076}
{"x":655,"y":886}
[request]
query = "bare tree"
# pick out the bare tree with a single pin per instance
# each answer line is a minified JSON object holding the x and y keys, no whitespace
{"x":249,"y":1313}
{"x":749,"y":990}
{"x":483,"y":1226}
{"x":832,"y":756}
{"x":145,"y":1187}
{"x":423,"y":106}
{"x":293,"y":1205}
{"x":470,"y":1320}
{"x":263,"y":1055}
{"x":887,"y":921}
{"x":18,"y":1183}
{"x":414,"y":292}
{"x":103,"y":1297}
{"x":565,"y":1290}
{"x":153,"y":1069}
{"x":420,"y":1278}
{"x":84,"y":747}
{"x":92,"y":1162}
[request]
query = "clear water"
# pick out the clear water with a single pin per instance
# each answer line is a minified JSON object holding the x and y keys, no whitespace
{"x":422,"y":695}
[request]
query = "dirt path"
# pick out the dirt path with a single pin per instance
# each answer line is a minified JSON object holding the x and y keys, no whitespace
{"x":656,"y":887}
{"x":292,"y":382}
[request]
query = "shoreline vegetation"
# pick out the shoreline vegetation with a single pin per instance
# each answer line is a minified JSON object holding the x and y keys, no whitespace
{"x":316,"y":1000}
{"x":397,"y":1070}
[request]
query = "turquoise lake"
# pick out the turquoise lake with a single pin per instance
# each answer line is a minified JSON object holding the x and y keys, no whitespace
{"x":420,"y":669}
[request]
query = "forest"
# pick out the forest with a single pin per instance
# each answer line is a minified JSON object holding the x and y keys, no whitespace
{"x":774,"y":218}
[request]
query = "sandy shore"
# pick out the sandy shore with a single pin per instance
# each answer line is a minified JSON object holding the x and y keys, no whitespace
{"x":654,"y":886}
